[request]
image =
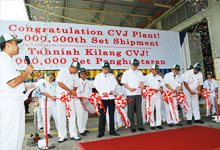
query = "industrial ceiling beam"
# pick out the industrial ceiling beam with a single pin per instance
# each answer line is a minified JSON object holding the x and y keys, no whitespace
{"x":158,"y":3}
{"x":133,"y":12}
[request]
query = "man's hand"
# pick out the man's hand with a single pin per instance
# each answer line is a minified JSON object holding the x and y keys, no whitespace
{"x":132,"y":89}
{"x":193,"y":93}
{"x":180,"y":91}
{"x":72,"y":92}
{"x":161,"y":90}
{"x":82,"y":101}
{"x":156,"y":90}
{"x":30,"y":87}
{"x":200,"y":93}
{"x":174,"y":91}
{"x":37,"y":104}
{"x":105,"y":94}
{"x":29,"y":69}
{"x":110,"y":93}
{"x":142,"y":87}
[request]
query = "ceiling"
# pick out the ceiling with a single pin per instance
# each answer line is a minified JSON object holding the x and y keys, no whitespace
{"x":124,"y":13}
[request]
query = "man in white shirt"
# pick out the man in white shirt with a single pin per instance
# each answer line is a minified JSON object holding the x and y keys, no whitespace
{"x":181,"y":104}
{"x":133,"y":82}
{"x":105,"y":83}
{"x":12,"y":112}
{"x":68,"y":81}
{"x":211,"y":85}
{"x":193,"y":81}
{"x":155,"y":82}
{"x":172,"y":84}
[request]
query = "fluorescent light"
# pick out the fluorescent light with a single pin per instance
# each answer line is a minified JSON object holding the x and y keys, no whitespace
{"x":162,"y":5}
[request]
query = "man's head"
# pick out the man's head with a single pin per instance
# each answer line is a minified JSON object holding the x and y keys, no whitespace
{"x":119,"y":75}
{"x":189,"y":67}
{"x":155,"y":69}
{"x":197,"y":68}
{"x":105,"y":67}
{"x":209,"y":74}
{"x":9,"y":44}
{"x":176,"y":69}
{"x":134,"y":64}
{"x":75,"y":67}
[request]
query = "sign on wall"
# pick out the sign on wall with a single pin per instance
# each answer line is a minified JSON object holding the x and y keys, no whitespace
{"x":53,"y":46}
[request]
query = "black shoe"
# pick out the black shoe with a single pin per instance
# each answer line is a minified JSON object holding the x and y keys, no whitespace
{"x":189,"y":121}
{"x":83,"y":134}
{"x":141,"y":129}
{"x":100,"y":135}
{"x":153,"y":128}
{"x":86,"y":131}
{"x":199,"y":121}
{"x":133,"y":130}
{"x":41,"y":129}
{"x":159,"y":127}
{"x":115,"y":134}
{"x":49,"y":136}
{"x":76,"y":139}
{"x":170,"y":125}
{"x":178,"y":124}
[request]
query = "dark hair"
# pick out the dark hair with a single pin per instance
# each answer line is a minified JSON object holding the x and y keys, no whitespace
{"x":119,"y":82}
{"x":3,"y":45}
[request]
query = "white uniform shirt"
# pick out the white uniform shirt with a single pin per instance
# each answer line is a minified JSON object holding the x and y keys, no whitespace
{"x":171,"y":81}
{"x":105,"y":83}
{"x":84,"y":89}
{"x":211,"y":86}
{"x":49,"y":89}
{"x":120,"y":90}
{"x":193,"y":80}
{"x":9,"y":71}
{"x":154,"y":82}
{"x":132,"y":79}
{"x":69,"y":80}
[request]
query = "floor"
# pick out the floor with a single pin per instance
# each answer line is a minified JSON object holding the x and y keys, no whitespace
{"x":92,"y":127}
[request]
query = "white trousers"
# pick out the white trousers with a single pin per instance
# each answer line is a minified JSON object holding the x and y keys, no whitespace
{"x":82,"y":116}
{"x":107,"y":118}
{"x":163,"y":110}
{"x":12,"y":123}
{"x":40,"y":122}
{"x":168,"y":115}
{"x":183,"y":110}
{"x":143,"y":106}
{"x":212,"y":102}
{"x":193,"y":108}
{"x":156,"y":103}
{"x":119,"y":120}
{"x":51,"y":111}
{"x":61,"y":113}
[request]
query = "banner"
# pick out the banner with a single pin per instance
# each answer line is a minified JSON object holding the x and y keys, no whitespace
{"x":52,"y":46}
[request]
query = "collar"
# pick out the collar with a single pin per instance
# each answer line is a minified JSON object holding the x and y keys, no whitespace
{"x":104,"y":74}
{"x":132,"y":70}
{"x":6,"y":55}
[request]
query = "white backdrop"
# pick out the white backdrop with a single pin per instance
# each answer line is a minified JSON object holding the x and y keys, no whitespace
{"x":55,"y":45}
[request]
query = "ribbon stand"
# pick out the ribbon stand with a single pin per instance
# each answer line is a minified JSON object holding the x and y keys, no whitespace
{"x":47,"y":146}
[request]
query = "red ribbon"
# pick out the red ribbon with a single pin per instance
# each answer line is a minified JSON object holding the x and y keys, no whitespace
{"x":96,"y":101}
{"x":147,"y":93}
{"x":65,"y":98}
{"x":120,"y":102}
{"x":216,"y":103}
{"x":206,"y":94}
{"x":168,"y":97}
{"x":181,"y":98}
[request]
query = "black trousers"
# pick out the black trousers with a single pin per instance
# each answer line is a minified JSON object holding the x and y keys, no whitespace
{"x":111,"y":107}
{"x":136,"y":100}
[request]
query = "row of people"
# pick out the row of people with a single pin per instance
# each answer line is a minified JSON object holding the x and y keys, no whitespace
{"x":129,"y":84}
